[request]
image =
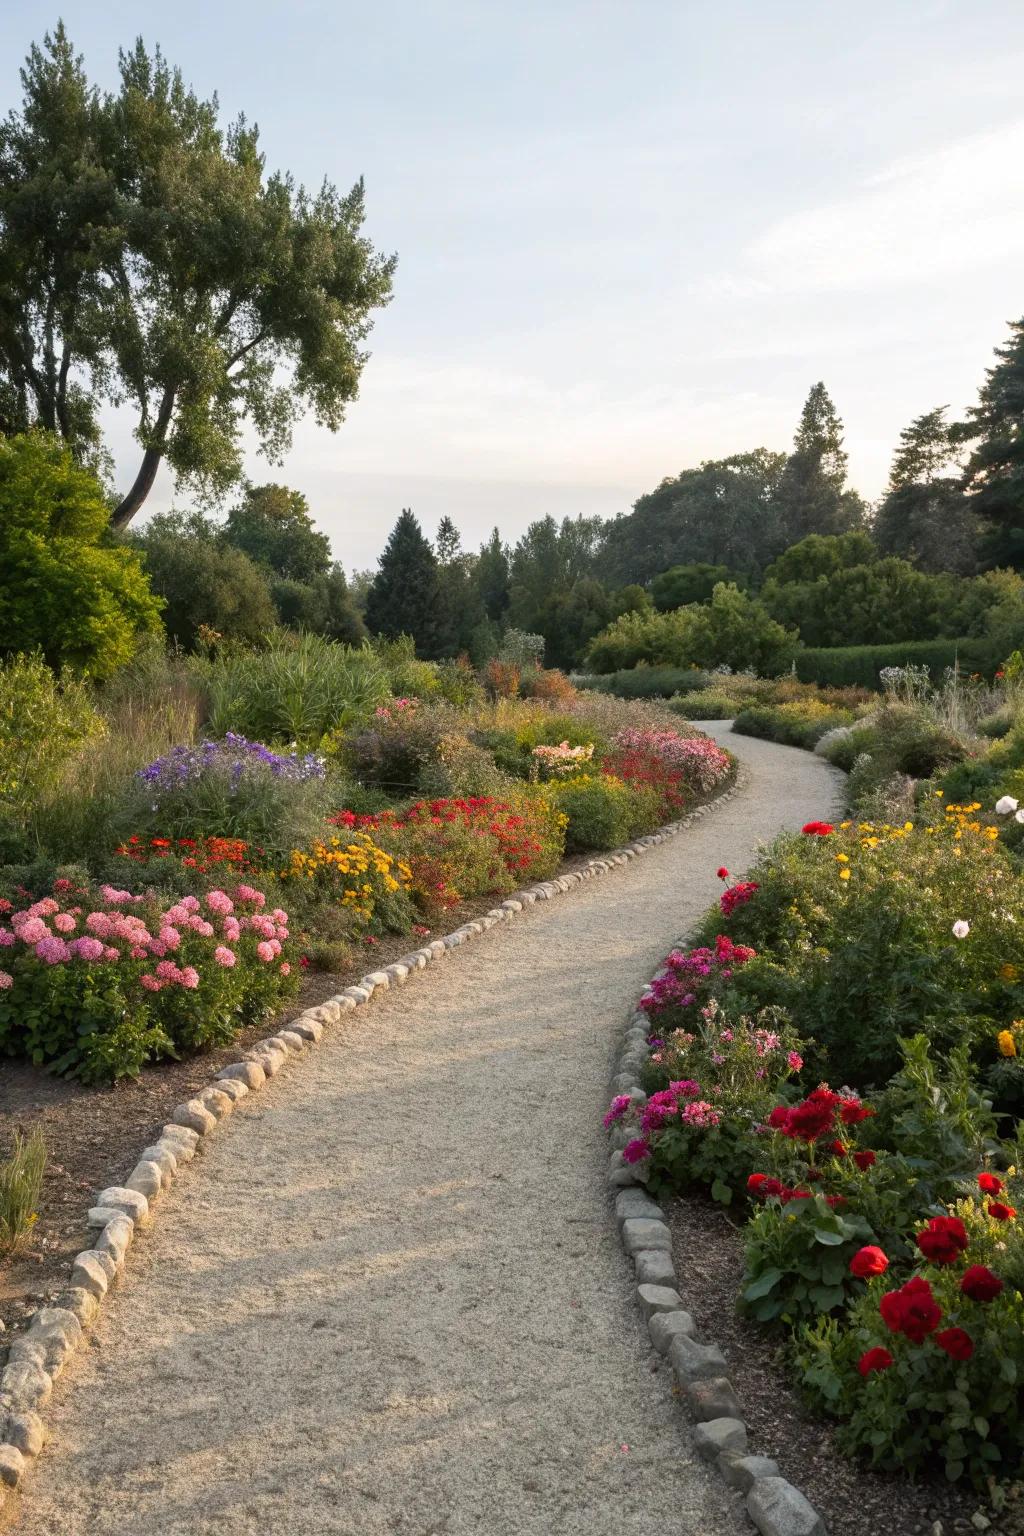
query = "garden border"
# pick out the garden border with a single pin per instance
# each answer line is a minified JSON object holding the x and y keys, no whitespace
{"x":38,"y":1354}
{"x":773,"y":1503}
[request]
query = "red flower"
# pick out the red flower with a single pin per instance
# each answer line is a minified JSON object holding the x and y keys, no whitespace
{"x":817,"y":829}
{"x":989,"y":1184}
{"x":771,"y":1187}
{"x":809,"y":1120}
{"x":867,"y":1262}
{"x":980,"y":1284}
{"x":877,"y":1359}
{"x":943,"y":1240}
{"x":723,"y":873}
{"x":795,"y":1194}
{"x":778,"y":1117}
{"x":852,"y":1111}
{"x":838,"y":1150}
{"x":864,"y":1160}
{"x":756,"y":1183}
{"x":1000,"y":1211}
{"x":912,"y":1310}
{"x":836,"y":1202}
{"x":957,"y":1344}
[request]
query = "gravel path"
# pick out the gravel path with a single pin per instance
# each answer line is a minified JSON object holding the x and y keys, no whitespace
{"x":389,"y":1298}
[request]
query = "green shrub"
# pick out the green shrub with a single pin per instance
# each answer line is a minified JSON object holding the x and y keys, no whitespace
{"x":643,"y":682}
{"x":44,"y":722}
{"x":733,"y":630}
{"x":21,"y":1183}
{"x":706,"y":704}
{"x":799,"y":724}
{"x":300,"y":689}
{"x":602,"y":811}
{"x":862,"y":665}
{"x":67,"y":591}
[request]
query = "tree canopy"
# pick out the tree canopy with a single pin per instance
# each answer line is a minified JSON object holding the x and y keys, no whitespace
{"x":272,"y":526}
{"x":67,"y":589}
{"x":994,"y":476}
{"x":147,"y":259}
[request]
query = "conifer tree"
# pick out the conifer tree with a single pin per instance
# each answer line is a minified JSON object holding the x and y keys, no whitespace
{"x":812,"y":495}
{"x":994,"y":477}
{"x":405,"y":595}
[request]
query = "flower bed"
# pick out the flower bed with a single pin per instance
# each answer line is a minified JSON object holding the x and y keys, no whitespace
{"x":881,"y":1232}
{"x":96,"y":983}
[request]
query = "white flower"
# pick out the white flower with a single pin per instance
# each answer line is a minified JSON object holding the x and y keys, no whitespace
{"x":1019,"y":816}
{"x":961,"y":929}
{"x":1006,"y":805}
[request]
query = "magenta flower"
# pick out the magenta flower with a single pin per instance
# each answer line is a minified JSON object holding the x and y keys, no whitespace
{"x":616,"y":1109}
{"x":635,"y":1151}
{"x":54,"y":950}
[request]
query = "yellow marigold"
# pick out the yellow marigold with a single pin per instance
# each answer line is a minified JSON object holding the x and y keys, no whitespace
{"x":844,"y":874}
{"x":1007,"y":1044}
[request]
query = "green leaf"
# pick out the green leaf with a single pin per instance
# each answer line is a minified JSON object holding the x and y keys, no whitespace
{"x":765,"y":1282}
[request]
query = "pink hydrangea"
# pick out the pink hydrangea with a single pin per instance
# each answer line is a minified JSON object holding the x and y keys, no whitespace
{"x":64,"y":922}
{"x":168,"y":971}
{"x":138,"y":953}
{"x":45,"y":908}
{"x":99,"y":922}
{"x":250,"y":894}
{"x":190,"y":978}
{"x":265,"y":951}
{"x":279,"y":916}
{"x":110,"y":953}
{"x":170,"y":938}
{"x":794,"y":1061}
{"x":30,"y":930}
{"x":6,"y":938}
{"x":54,"y":950}
{"x":224,"y":956}
{"x":150,"y":983}
{"x":232,"y":930}
{"x":286,"y":969}
{"x":86,"y":948}
{"x":6,"y":980}
{"x":220,"y":902}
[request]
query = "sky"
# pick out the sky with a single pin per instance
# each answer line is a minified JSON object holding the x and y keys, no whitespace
{"x":630,"y":235}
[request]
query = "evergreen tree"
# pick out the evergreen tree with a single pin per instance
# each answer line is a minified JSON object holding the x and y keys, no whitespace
{"x":405,"y":596}
{"x":925,"y":516}
{"x":491,"y":577}
{"x":994,"y":477}
{"x":812,"y":494}
{"x":461,"y":603}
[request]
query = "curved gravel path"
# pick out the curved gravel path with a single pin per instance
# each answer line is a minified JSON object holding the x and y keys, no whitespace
{"x":390,"y":1297}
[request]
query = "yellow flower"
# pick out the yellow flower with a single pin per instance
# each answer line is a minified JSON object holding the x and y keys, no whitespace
{"x":1009,"y":972}
{"x":842,"y":858}
{"x":1007,"y":1044}
{"x":844,"y":874}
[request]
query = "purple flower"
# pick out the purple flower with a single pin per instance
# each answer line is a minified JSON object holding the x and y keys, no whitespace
{"x":635,"y":1151}
{"x":616,"y":1109}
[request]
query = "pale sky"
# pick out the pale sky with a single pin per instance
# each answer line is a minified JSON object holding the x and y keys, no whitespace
{"x":630,"y":235}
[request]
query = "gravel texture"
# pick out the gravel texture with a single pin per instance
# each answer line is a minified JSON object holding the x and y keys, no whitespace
{"x":388,"y":1297}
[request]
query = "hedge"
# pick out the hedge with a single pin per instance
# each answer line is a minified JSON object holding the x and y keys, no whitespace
{"x":646,"y":682}
{"x":860,"y":665}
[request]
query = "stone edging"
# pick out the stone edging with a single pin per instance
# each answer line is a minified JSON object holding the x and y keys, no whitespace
{"x":775,"y":1506}
{"x":39,"y":1353}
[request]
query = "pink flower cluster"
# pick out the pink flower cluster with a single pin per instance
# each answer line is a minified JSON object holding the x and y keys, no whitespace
{"x":703,"y":762}
{"x":693,"y":975}
{"x":60,"y":935}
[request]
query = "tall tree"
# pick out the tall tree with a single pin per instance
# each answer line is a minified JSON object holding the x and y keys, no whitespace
{"x":273,"y":526}
{"x":725,"y":512}
{"x":491,"y":577}
{"x":461,"y":603}
{"x":405,"y":596}
{"x":813,"y":497}
{"x":994,"y":476}
{"x":925,"y":516}
{"x":146,"y":259}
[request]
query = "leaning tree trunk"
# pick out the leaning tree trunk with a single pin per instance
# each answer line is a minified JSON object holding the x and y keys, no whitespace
{"x":143,"y":482}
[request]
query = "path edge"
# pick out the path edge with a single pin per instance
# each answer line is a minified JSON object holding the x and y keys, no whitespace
{"x":718,"y":1432}
{"x":39,"y":1353}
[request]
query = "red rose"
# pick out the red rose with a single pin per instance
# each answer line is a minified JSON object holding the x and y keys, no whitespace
{"x":877,"y":1359}
{"x":817,"y":828}
{"x":795,"y":1194}
{"x":864,"y":1160}
{"x":838,"y":1150}
{"x":943,"y":1240}
{"x":868,"y":1261}
{"x":771,"y":1187}
{"x":989,"y":1184}
{"x":957,"y":1344}
{"x":1000,"y":1211}
{"x":723,"y":873}
{"x":756,"y":1183}
{"x":778,"y":1117}
{"x":912,"y":1310}
{"x":853,"y":1111}
{"x":980,"y":1284}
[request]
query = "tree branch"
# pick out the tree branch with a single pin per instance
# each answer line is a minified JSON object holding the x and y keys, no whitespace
{"x":143,"y":484}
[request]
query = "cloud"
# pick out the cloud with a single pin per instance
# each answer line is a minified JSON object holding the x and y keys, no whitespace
{"x":915,"y":221}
